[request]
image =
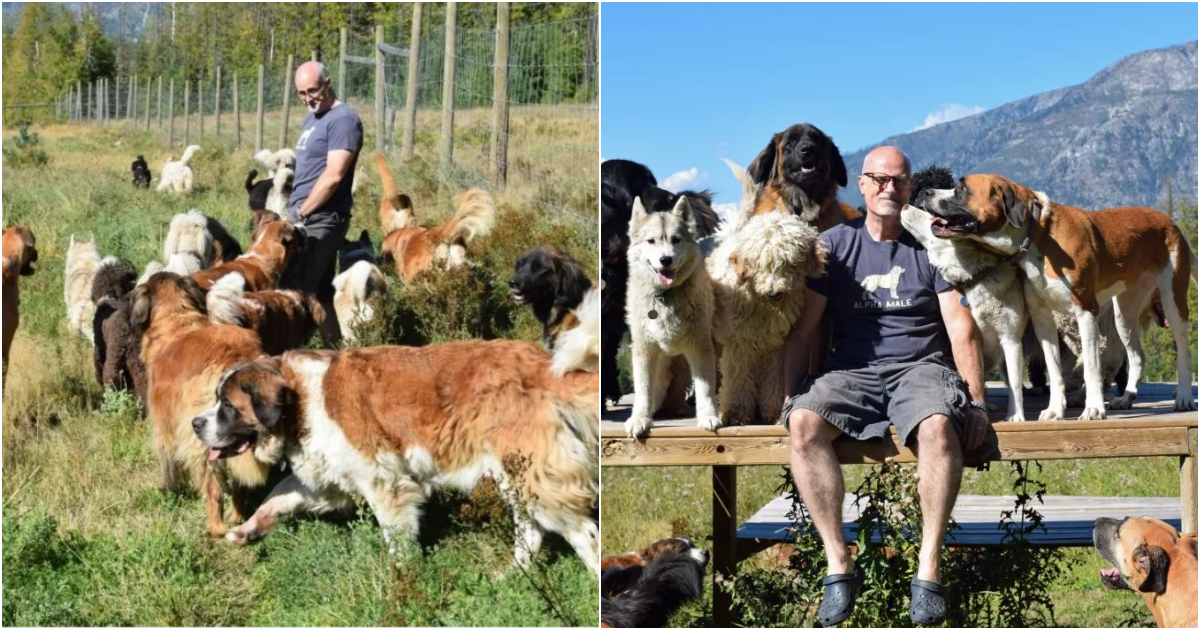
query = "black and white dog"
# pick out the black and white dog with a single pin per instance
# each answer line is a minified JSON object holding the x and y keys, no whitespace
{"x":553,"y":284}
{"x":646,"y":596}
{"x":141,"y":172}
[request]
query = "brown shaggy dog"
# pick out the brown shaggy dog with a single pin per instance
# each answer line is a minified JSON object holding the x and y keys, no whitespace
{"x":263,"y":265}
{"x":283,"y":320}
{"x":414,"y":249}
{"x":117,"y":355}
{"x":185,"y":354}
{"x":799,"y":171}
{"x":553,"y":284}
{"x":20,"y":252}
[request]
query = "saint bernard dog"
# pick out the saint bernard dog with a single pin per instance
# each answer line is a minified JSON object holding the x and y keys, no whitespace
{"x":274,"y":245}
{"x":454,"y":413}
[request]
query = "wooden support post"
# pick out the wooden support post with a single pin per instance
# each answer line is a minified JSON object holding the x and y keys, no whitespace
{"x":217,"y":103}
{"x":410,"y":97}
{"x":187,"y":113}
{"x":258,"y":130}
{"x":171,"y":115}
{"x":1187,"y":486}
{"x":78,"y":100}
{"x":147,"y":109}
{"x":380,"y":92}
{"x":343,"y":38}
{"x":725,"y":524}
{"x":131,"y":110}
{"x":446,"y":146}
{"x":287,"y":101}
{"x":200,"y":105}
{"x":500,"y":97}
{"x":158,"y":108}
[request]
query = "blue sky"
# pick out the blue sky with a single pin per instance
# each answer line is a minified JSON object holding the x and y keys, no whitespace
{"x":683,"y":85}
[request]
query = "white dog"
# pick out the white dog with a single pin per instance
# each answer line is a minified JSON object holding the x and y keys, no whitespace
{"x":889,"y":280}
{"x":83,"y":261}
{"x":273,"y":161}
{"x":759,"y":274}
{"x":281,"y":168}
{"x":578,"y":348}
{"x":669,"y":308}
{"x":177,"y":176}
{"x":353,"y":289}
{"x":189,"y":234}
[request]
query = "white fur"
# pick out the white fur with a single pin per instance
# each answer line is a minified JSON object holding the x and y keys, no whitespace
{"x":277,"y":199}
{"x":273,"y":161}
{"x":353,"y":289}
{"x":189,"y":235}
{"x":83,"y":261}
{"x":177,"y":176}
{"x":579,"y":347}
{"x":223,"y":301}
{"x":684,"y":308}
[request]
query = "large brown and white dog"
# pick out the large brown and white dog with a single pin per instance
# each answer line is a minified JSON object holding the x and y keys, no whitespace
{"x":20,"y":252}
{"x":1072,"y":261}
{"x":799,"y":171}
{"x":1151,"y":558}
{"x":185,"y":354}
{"x":467,"y":410}
{"x":758,"y":273}
{"x":283,"y":320}
{"x":414,"y":249}
{"x":83,"y":261}
{"x":277,"y":242}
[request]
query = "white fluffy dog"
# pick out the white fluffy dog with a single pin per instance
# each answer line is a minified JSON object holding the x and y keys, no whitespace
{"x":669,"y":308}
{"x":759,"y":274}
{"x":273,"y":161}
{"x":353,"y":289}
{"x":176,"y":176}
{"x":189,"y":234}
{"x":994,"y":293}
{"x":83,"y":261}
{"x":182,"y":264}
{"x":281,"y":167}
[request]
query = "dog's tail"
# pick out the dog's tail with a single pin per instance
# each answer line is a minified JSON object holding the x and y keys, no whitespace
{"x":275,"y":160}
{"x":188,"y":153}
{"x":395,"y":207}
{"x":474,"y":216}
{"x":152,"y":268}
{"x":224,"y":301}
{"x":579,"y":347}
{"x":250,"y":179}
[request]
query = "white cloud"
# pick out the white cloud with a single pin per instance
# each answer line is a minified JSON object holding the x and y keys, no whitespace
{"x":726,"y":211}
{"x":691,"y":179}
{"x":949,"y":112}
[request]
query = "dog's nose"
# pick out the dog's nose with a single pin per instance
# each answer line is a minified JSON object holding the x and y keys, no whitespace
{"x":666,"y":261}
{"x":806,"y":149}
{"x":198,"y":424}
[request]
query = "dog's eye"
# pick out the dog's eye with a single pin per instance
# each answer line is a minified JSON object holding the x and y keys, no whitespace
{"x":650,"y":241}
{"x":674,"y":240}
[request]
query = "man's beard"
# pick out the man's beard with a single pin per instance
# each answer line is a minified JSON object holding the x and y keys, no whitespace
{"x":886,"y":207}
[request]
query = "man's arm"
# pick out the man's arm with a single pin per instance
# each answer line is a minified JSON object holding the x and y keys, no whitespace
{"x":337,"y":167}
{"x":967,"y":346}
{"x":797,"y":351}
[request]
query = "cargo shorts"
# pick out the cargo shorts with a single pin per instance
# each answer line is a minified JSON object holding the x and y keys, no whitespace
{"x":862,"y":402}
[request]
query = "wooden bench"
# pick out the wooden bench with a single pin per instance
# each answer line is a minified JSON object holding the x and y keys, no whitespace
{"x":1150,"y":429}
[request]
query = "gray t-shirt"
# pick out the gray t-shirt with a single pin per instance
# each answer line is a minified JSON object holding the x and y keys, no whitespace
{"x":882,"y":300}
{"x":338,"y":128}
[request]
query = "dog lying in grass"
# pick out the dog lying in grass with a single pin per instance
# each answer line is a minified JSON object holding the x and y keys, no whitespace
{"x":642,"y":589}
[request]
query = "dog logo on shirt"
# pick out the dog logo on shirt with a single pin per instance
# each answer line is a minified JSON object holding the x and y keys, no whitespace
{"x":302,"y":143}
{"x":889,"y":280}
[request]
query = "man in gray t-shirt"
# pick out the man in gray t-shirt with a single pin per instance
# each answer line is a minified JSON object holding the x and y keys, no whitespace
{"x":326,"y":154}
{"x":899,"y":330}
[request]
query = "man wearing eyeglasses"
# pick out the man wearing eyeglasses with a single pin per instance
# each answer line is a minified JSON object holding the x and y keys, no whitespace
{"x":326,"y":154}
{"x":905,"y":353}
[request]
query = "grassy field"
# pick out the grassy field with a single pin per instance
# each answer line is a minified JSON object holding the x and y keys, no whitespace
{"x":89,"y":540}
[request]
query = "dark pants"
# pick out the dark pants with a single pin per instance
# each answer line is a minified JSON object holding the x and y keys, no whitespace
{"x":314,"y":268}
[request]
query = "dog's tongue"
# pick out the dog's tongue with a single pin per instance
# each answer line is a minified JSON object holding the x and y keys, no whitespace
{"x":666,"y":277}
{"x":940,"y":222}
{"x":229,"y":451}
{"x":1111,"y":574}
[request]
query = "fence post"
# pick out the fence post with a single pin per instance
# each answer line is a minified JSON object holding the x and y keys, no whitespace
{"x":200,"y":104}
{"x":410,"y":97}
{"x":500,"y":97}
{"x":380,"y":115}
{"x":287,"y":101}
{"x":147,"y":114}
{"x":131,"y":110}
{"x":343,"y":37}
{"x":446,"y":147}
{"x":158,"y":108}
{"x":237,"y":114}
{"x":187,"y":112}
{"x":78,"y":100}
{"x":171,"y":115}
{"x":258,"y":131}
{"x":102,"y":86}
{"x":217,"y":103}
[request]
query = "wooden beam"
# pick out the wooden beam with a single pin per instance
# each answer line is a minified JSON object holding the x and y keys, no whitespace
{"x":725,"y":524}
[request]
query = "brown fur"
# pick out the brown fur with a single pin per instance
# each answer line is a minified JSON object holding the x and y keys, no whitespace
{"x":1158,"y":563}
{"x":185,"y":355}
{"x":261,"y":218}
{"x":283,"y":320}
{"x":20,"y":252}
{"x":395,"y":207}
{"x":262,"y":266}
{"x":641,"y":557}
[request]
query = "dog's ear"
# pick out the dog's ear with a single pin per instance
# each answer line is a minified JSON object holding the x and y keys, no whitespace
{"x":762,"y":168}
{"x":365,"y":238}
{"x":814,"y":262}
{"x":140,"y":304}
{"x":739,"y":267}
{"x":71,"y":243}
{"x":683,"y":212}
{"x":1189,"y":542}
{"x":570,"y":280}
{"x":194,"y":293}
{"x":1015,"y":208}
{"x":638,"y":216}
{"x":1155,"y":563}
{"x":269,"y":406}
{"x":839,"y":165}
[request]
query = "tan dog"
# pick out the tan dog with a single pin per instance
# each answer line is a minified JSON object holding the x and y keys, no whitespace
{"x":1151,"y":558}
{"x":277,"y":242}
{"x":20,"y":252}
{"x":185,"y":354}
{"x":1072,"y":261}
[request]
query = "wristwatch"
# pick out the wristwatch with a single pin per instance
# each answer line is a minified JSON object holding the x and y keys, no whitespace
{"x":975,"y":404}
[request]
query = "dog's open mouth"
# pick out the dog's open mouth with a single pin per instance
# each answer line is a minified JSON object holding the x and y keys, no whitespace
{"x":665,"y":276}
{"x":954,"y":225}
{"x":517,"y":296}
{"x":775,"y":296}
{"x":237,"y":448}
{"x":1111,"y":578}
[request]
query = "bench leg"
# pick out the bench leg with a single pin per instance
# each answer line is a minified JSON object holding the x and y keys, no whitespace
{"x":725,"y":525}
{"x":1187,"y":493}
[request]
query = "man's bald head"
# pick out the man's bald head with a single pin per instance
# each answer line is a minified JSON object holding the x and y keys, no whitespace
{"x":312,"y":72}
{"x":887,"y":163}
{"x":313,"y":87}
{"x":881,"y":158}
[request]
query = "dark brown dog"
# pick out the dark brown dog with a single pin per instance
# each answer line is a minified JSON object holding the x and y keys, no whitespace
{"x":1151,"y":558}
{"x":117,"y":355}
{"x":799,"y":171}
{"x":20,"y":252}
{"x":263,"y":265}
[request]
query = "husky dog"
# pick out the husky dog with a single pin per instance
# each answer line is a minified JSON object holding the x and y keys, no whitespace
{"x":669,"y":308}
{"x":83,"y":262}
{"x":759,"y":271}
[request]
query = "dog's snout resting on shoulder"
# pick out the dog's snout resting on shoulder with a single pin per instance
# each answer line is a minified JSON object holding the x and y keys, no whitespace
{"x":669,"y":308}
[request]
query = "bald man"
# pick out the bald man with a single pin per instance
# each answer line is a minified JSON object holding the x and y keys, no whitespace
{"x":326,"y":154}
{"x":906,"y":353}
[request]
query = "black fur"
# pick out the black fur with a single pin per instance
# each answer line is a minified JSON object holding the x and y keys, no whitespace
{"x":804,"y":147}
{"x":644,"y":597}
{"x":932,"y":177}
{"x":552,"y":283}
{"x":230,"y":247}
{"x":257,"y":191}
{"x":141,"y":172}
{"x":117,"y":355}
{"x":355,"y":251}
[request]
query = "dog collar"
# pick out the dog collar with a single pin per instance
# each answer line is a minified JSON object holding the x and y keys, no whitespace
{"x":658,"y":297}
{"x":1035,"y":218}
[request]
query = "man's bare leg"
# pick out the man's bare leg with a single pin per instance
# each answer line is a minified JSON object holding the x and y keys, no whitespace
{"x":939,"y":475}
{"x":818,"y":475}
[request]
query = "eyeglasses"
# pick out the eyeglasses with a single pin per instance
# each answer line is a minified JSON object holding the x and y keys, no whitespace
{"x":313,"y":91}
{"x":882,"y":180}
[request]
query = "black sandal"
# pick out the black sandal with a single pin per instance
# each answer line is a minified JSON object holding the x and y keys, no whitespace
{"x":928,"y":607}
{"x":840,"y":592}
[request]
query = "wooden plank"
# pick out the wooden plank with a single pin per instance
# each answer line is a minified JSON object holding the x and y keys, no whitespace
{"x":1187,"y":489}
{"x":725,"y":520}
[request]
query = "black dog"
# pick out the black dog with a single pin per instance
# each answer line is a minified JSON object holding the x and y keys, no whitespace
{"x":644,"y":597}
{"x":553,"y":284}
{"x":801,"y":169}
{"x":117,"y":355}
{"x":141,"y":172}
{"x":257,"y":191}
{"x":620,"y":182}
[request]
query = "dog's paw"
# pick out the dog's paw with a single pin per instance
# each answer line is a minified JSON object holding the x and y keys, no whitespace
{"x":1184,"y":403}
{"x":637,"y":427}
{"x":1016,"y":417}
{"x":1093,"y":413}
{"x":1050,"y":413}
{"x":241,"y":536}
{"x":1123,"y":402}
{"x":708,"y":423}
